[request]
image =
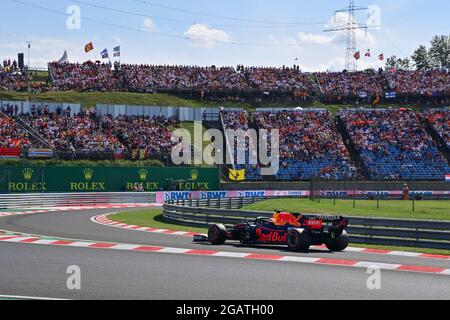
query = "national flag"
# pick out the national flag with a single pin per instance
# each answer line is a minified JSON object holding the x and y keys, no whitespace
{"x":447,"y":177}
{"x":10,"y":153}
{"x":116,"y":51}
{"x":391,"y":95}
{"x":377,"y":100}
{"x":105,"y":54}
{"x":237,"y":175}
{"x":357,"y":55}
{"x":89,"y":47}
{"x":368,"y":53}
{"x":381,"y":57}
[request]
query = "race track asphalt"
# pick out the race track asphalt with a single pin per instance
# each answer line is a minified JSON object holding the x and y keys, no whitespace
{"x":39,"y":270}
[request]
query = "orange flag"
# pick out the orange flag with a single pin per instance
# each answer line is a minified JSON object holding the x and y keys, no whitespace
{"x":89,"y":47}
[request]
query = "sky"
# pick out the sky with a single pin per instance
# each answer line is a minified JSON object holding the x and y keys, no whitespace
{"x":221,"y":33}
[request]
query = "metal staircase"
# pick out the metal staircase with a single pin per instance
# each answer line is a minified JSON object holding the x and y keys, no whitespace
{"x":35,"y":137}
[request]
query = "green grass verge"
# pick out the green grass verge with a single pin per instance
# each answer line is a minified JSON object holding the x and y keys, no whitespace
{"x":152,"y":218}
{"x":425,"y":210}
{"x":89,"y":99}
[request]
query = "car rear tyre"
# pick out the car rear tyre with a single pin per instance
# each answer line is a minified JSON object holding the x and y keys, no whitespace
{"x":299,"y":240}
{"x":217,"y":234}
{"x":338,"y":244}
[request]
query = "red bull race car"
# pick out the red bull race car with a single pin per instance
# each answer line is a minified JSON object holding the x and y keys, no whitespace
{"x":295,"y":230}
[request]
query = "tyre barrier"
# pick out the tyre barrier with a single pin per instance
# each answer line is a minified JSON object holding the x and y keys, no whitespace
{"x":363,"y":230}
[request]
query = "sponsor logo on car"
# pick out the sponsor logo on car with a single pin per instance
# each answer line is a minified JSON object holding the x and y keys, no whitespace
{"x":284,"y":218}
{"x":269,"y":236}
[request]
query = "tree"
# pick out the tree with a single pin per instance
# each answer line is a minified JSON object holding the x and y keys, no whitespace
{"x":391,"y":63}
{"x":440,"y":52}
{"x":404,"y":64}
{"x":398,"y":63}
{"x":421,"y":58}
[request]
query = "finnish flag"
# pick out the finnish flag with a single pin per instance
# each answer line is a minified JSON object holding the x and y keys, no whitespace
{"x":105,"y":54}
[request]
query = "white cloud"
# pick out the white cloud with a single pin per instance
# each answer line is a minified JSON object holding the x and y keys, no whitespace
{"x":314,"y":38}
{"x":341,"y":19}
{"x":149,"y":25}
{"x":203,"y":36}
{"x":335,"y":64}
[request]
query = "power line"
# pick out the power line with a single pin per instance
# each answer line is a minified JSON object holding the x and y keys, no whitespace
{"x":167,"y":35}
{"x":351,"y":26}
{"x":194,"y":22}
{"x":213,"y":15}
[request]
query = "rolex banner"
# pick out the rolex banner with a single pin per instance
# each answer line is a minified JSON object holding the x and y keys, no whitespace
{"x":237,"y":175}
{"x":108,"y":179}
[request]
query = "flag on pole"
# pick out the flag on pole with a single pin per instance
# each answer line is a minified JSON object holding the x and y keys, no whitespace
{"x":89,"y":47}
{"x":105,"y":54}
{"x":381,"y":57}
{"x":116,"y":51}
{"x":377,"y":100}
{"x":368,"y":53}
{"x":447,"y":177}
{"x":237,"y":175}
{"x":357,"y":55}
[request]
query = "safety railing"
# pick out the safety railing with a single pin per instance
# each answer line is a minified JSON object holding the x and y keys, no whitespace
{"x":363,"y":230}
{"x":19,"y":201}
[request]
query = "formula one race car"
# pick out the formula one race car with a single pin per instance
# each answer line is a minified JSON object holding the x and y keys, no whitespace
{"x":295,"y":230}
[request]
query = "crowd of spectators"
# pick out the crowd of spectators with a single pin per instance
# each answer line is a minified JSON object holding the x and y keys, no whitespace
{"x":10,"y":109}
{"x":283,"y":79}
{"x":310,"y":145}
{"x":151,"y":78}
{"x":142,"y":133}
{"x":394,"y":144}
{"x":423,"y":83}
{"x":88,"y":76}
{"x":245,"y":154}
{"x":440,"y":121}
{"x":11,"y":135}
{"x":11,"y":79}
{"x":77,"y":133}
{"x":87,"y":132}
{"x":356,"y":84}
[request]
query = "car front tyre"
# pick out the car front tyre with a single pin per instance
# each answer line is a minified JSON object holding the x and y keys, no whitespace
{"x":217,"y":234}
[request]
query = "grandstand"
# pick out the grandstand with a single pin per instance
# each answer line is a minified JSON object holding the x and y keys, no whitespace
{"x":439,"y":120}
{"x":394,"y":145}
{"x":357,"y":144}
{"x":310,"y":146}
{"x":91,"y":76}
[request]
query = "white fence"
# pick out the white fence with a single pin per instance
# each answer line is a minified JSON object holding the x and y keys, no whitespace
{"x":24,"y":107}
{"x":49,"y":200}
{"x":181,"y":113}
